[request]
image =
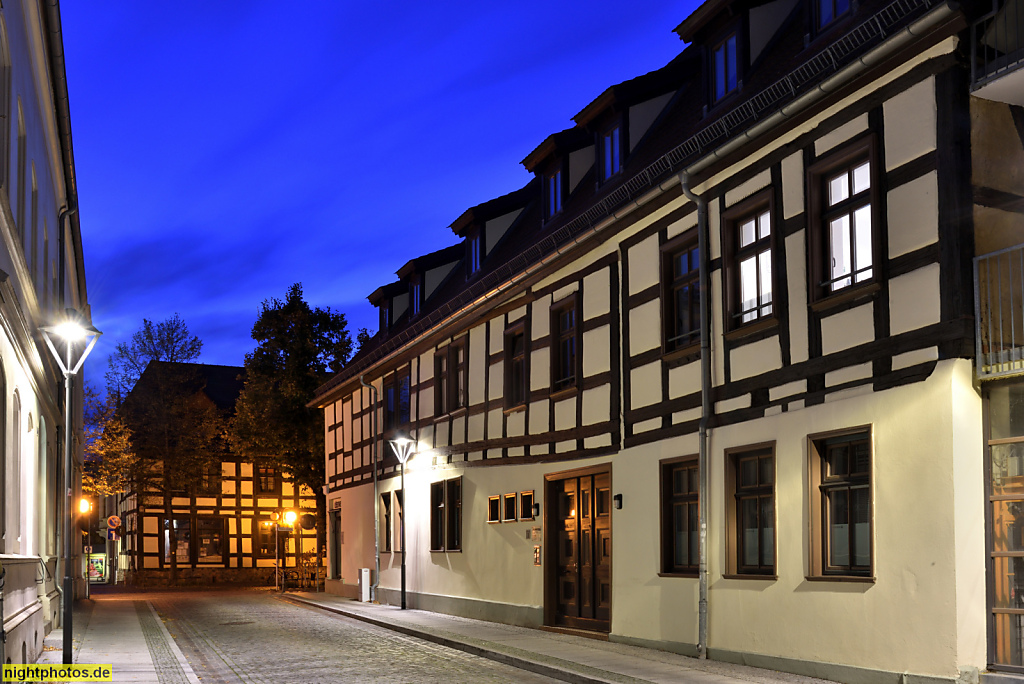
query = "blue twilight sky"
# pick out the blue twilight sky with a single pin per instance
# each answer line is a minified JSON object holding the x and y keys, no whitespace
{"x":226,"y":150}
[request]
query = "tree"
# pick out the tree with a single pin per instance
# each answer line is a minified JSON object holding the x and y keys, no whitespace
{"x":111,"y":463}
{"x":298,"y":349}
{"x":362,"y":338}
{"x":167,"y":340}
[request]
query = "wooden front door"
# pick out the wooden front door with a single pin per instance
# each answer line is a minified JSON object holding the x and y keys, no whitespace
{"x":580,"y":584}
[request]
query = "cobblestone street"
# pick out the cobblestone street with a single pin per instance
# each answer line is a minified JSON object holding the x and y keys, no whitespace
{"x":250,"y":636}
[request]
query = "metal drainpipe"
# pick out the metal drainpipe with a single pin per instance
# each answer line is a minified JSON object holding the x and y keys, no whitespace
{"x":376,"y":494}
{"x":65,"y":213}
{"x":705,"y":402}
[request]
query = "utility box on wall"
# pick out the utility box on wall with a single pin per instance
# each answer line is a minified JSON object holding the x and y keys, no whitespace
{"x":364,"y":585}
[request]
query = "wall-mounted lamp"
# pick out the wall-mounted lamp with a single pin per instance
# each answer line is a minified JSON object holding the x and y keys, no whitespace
{"x":536,"y":510}
{"x":617,"y":501}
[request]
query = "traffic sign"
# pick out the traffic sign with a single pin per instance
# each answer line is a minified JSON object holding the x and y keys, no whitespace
{"x":112,"y":535}
{"x":86,"y":549}
{"x":113,"y":521}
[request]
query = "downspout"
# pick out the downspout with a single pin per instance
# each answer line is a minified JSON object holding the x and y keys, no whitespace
{"x":705,"y":413}
{"x":65,"y":213}
{"x":376,"y":494}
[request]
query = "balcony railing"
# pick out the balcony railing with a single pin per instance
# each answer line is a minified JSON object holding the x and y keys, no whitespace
{"x":997,"y":42}
{"x":999,"y":312}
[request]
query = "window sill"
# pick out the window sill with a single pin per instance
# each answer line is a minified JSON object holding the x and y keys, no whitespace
{"x":445,"y":550}
{"x":767,"y":325}
{"x":564,"y":393}
{"x":766,"y":578}
{"x":461,"y":411}
{"x":869,"y":579}
{"x":682,"y":355}
{"x":688,"y":575}
{"x":847,"y":295}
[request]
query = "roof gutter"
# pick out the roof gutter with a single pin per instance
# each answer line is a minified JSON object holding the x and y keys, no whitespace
{"x":862,"y":64}
{"x":62,"y":110}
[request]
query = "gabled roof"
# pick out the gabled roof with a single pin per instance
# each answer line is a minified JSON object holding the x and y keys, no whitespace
{"x":562,"y":142}
{"x":426,"y":262}
{"x":387,"y":291}
{"x":652,"y":84}
{"x":222,"y":384}
{"x":701,"y":17}
{"x":499,"y":206}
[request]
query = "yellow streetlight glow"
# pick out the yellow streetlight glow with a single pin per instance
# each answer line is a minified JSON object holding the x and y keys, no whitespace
{"x":290,"y":517}
{"x":84,"y":505}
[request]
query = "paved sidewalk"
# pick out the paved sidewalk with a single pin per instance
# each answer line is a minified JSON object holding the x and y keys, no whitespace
{"x":122,"y":630}
{"x":560,"y":656}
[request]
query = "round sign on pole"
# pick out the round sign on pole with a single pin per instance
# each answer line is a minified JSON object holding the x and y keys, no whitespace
{"x":113,"y":521}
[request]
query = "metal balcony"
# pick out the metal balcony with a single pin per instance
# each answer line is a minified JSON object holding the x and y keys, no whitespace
{"x":997,"y":43}
{"x":999,"y":313}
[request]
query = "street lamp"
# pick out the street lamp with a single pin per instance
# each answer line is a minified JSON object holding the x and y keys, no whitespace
{"x":72,"y":331}
{"x":85,"y":507}
{"x":403,"y":446}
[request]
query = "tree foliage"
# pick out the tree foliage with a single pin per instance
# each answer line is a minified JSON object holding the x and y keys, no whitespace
{"x":298,"y":349}
{"x":111,"y":463}
{"x":167,"y":340}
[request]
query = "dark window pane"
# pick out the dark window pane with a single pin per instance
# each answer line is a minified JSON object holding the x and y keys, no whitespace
{"x":837,"y":460}
{"x":679,"y":481}
{"x":748,"y":472}
{"x":679,"y":530}
{"x":403,"y":399}
{"x":825,"y":12}
{"x":861,"y":458}
{"x":694,"y":521}
{"x":860,"y":510}
{"x":839,"y":527}
{"x":730,"y":58}
{"x":767,"y":532}
{"x":720,"y":72}
{"x":767,"y":475}
{"x":748,"y":531}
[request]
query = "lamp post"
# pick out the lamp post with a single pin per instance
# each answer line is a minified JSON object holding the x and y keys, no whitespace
{"x":73,"y":329}
{"x":403,"y":446}
{"x":289,"y":518}
{"x":85,"y":507}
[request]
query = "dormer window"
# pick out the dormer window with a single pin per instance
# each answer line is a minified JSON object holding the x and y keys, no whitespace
{"x":553,"y":193}
{"x":611,"y":152}
{"x":415,"y":297}
{"x":830,"y":10}
{"x":473,"y":256}
{"x":724,"y":65}
{"x":385,"y":318}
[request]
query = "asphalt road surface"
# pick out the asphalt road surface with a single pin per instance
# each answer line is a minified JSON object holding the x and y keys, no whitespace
{"x":250,"y":636}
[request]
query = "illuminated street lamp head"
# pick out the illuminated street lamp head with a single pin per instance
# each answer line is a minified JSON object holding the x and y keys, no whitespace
{"x":403,"y":445}
{"x":84,"y":505}
{"x":290,"y":517}
{"x":70,"y":329}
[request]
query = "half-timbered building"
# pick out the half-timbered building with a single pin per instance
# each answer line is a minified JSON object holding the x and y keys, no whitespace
{"x":225,"y":524}
{"x":709,"y":382}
